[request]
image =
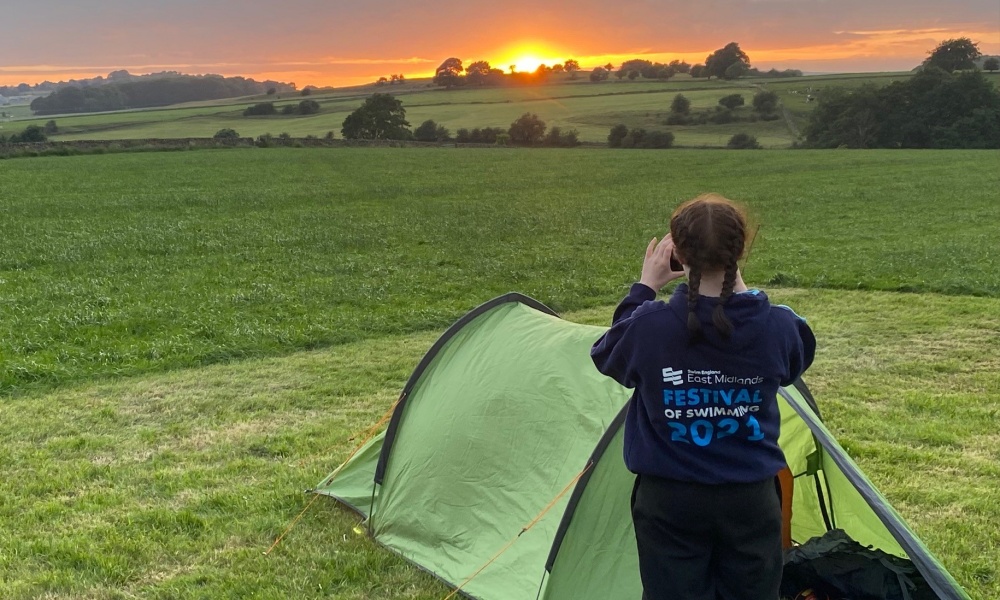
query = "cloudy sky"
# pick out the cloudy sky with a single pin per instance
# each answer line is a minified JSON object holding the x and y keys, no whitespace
{"x":344,"y":42}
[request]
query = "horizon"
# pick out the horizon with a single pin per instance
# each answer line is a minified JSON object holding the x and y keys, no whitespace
{"x":310,"y":43}
{"x":365,"y":82}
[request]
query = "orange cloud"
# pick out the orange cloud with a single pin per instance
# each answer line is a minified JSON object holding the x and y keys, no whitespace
{"x":855,"y":49}
{"x":911,"y":44}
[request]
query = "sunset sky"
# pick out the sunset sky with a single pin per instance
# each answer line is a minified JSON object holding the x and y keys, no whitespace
{"x":339,"y":42}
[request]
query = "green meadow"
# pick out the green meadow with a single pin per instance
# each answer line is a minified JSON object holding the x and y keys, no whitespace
{"x":590,"y":108}
{"x":188,"y":340}
{"x":127,"y":263}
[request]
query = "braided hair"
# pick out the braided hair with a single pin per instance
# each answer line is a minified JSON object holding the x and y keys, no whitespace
{"x":709,"y":233}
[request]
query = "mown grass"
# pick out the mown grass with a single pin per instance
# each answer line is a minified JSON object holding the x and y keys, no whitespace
{"x":123,"y":264}
{"x":172,"y":485}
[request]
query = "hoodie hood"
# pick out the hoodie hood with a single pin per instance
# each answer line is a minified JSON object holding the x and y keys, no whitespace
{"x":749,"y":312}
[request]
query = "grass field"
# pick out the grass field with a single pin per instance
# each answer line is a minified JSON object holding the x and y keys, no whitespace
{"x":188,"y":339}
{"x":172,"y":485}
{"x":108,"y":269}
{"x":590,"y":108}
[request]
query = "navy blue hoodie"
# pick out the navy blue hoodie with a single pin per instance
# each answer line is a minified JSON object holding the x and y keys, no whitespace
{"x":704,"y":412}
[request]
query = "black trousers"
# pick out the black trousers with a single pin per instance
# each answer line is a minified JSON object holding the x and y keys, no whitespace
{"x":707,"y":542}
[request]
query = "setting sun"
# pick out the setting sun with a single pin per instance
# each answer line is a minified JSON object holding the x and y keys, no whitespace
{"x":528,"y":63}
{"x":526,"y":57}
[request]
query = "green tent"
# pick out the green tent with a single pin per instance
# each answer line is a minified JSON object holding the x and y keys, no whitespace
{"x":500,"y":417}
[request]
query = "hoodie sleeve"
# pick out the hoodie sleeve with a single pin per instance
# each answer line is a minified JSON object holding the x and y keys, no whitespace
{"x":613,"y":352}
{"x":803,"y":350}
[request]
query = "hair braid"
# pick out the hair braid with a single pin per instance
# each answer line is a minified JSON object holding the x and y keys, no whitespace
{"x":734,"y":249}
{"x":694,"y":325}
{"x":719,"y":318}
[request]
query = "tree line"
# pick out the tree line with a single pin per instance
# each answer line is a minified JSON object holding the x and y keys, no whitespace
{"x":765,"y":104}
{"x":383,"y":117}
{"x":948,"y":103}
{"x":451,"y":74}
{"x":144,"y":93}
{"x":728,"y":62}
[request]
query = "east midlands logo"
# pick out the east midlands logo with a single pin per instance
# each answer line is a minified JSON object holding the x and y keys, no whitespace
{"x":681,"y":376}
{"x":717,"y":377}
{"x":674,"y":376}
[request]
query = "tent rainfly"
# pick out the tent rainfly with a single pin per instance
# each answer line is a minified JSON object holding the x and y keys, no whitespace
{"x":504,"y":412}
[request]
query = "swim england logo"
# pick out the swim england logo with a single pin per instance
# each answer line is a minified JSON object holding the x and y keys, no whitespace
{"x":674,"y":376}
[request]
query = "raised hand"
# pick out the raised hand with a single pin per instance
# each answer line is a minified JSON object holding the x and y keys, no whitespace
{"x":656,"y":269}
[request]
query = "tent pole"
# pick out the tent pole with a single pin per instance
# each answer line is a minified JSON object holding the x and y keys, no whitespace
{"x":371,"y":508}
{"x":541,"y":584}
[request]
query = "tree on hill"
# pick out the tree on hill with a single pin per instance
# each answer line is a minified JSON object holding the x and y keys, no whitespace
{"x":743,"y":141}
{"x":528,"y":129}
{"x":954,"y":55}
{"x":308,"y":107}
{"x":681,"y":105}
{"x":226,"y":134}
{"x":482,"y":74}
{"x":722,"y":59}
{"x":429,"y":131}
{"x":680,"y":66}
{"x":449,"y":74}
{"x":698,"y":71}
{"x":731,"y":101}
{"x":991,"y":64}
{"x":634,"y":66}
{"x":476,"y":72}
{"x":599,"y":74}
{"x":765,"y":102}
{"x":571,"y":66}
{"x":31,"y":134}
{"x":381,"y":117}
{"x":736,"y":70}
{"x":621,"y":137}
{"x":616,"y":135}
{"x":555,"y":138}
{"x":259,"y":110}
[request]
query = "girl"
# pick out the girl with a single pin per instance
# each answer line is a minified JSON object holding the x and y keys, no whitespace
{"x":701,"y":431}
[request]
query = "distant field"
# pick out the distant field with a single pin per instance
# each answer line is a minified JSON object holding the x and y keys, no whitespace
{"x":15,"y":112}
{"x":592,"y":109}
{"x":121,"y":264}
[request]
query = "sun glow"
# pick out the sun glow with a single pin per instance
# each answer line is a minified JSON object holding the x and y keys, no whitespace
{"x":525,"y":57}
{"x":527,"y":64}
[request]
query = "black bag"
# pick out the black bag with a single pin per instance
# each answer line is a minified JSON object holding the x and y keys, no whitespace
{"x":838,"y":567}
